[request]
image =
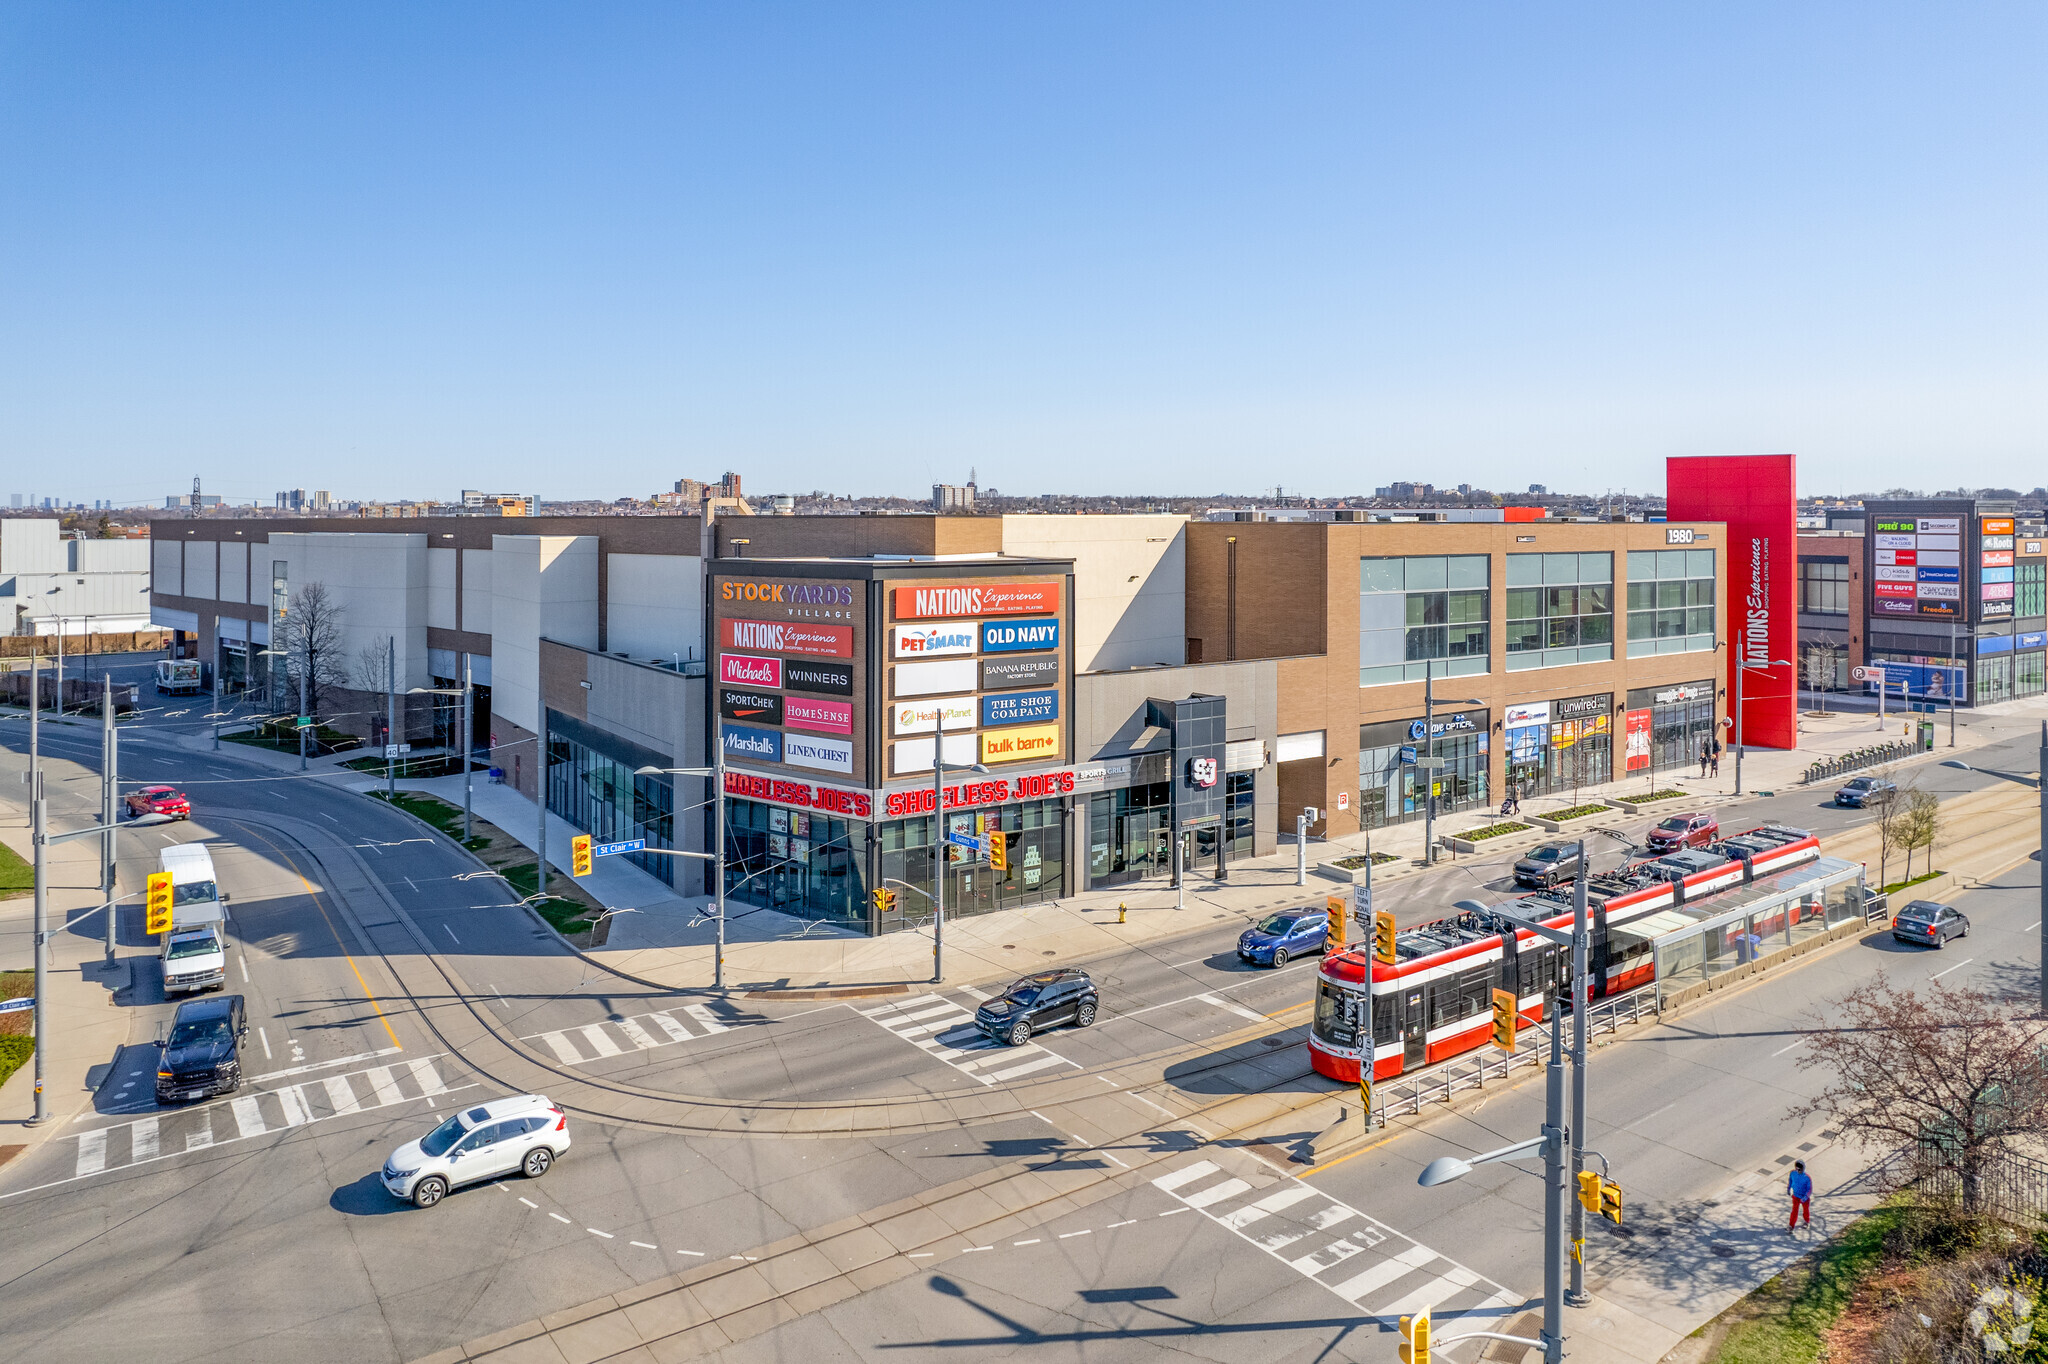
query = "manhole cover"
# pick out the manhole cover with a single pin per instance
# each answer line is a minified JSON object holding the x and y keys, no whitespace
{"x":1725,"y":1252}
{"x":1272,"y":1041}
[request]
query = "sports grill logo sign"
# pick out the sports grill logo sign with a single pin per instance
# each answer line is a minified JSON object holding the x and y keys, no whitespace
{"x":1202,"y":771}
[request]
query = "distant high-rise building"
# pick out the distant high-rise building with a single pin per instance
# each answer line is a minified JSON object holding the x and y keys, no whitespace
{"x":476,"y":503}
{"x":953,"y":496}
{"x":322,"y":501}
{"x":16,"y":498}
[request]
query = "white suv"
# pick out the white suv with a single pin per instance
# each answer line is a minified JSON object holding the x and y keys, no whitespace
{"x":526,"y":1133}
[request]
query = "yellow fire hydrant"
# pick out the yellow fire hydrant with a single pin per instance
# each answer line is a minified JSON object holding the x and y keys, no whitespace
{"x":1122,"y":910}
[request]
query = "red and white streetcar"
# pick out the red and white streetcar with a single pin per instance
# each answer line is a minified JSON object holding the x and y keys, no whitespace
{"x":1435,"y":1000}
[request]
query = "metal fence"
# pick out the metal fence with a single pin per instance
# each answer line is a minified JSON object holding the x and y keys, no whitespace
{"x":2011,"y":1186}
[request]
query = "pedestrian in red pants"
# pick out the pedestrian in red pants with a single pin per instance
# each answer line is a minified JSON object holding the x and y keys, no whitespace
{"x":1800,"y":1186}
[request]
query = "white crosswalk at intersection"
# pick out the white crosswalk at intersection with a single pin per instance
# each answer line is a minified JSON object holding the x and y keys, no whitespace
{"x":623,"y":1036}
{"x":175,"y":1131}
{"x":1377,"y":1270}
{"x":942,"y":1029}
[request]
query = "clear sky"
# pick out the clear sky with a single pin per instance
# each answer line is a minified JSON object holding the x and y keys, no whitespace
{"x":397,"y":250}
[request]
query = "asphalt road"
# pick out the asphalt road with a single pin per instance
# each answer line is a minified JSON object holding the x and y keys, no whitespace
{"x":214,"y":1233}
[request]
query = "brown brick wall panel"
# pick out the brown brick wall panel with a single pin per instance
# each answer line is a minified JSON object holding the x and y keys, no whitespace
{"x":563,"y":671}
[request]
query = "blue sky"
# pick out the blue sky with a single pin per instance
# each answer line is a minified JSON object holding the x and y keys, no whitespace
{"x":394,"y":251}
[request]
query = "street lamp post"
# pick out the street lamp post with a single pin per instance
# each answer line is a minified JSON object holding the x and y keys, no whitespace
{"x":1429,"y":767}
{"x":468,"y":706}
{"x":716,"y":772}
{"x":110,"y":778}
{"x":39,"y":816}
{"x":1741,"y":733}
{"x":939,"y":852}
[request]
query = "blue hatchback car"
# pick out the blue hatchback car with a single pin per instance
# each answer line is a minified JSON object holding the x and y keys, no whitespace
{"x":1273,"y":940}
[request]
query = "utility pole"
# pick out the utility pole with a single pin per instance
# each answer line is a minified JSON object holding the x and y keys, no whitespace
{"x":391,"y":718}
{"x":1581,"y":999}
{"x":1429,"y":769}
{"x":540,"y":801}
{"x":305,"y":667}
{"x":35,"y":726}
{"x":110,"y":776}
{"x":216,"y":695}
{"x":1554,"y":1189}
{"x":42,"y":941}
{"x":468,"y":744}
{"x":718,"y":866}
{"x":2041,"y":782}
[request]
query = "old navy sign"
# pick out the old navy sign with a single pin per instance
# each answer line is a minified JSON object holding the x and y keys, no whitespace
{"x":1020,"y":708}
{"x":1019,"y":636}
{"x":788,"y":637}
{"x":980,"y":599}
{"x":752,"y":671}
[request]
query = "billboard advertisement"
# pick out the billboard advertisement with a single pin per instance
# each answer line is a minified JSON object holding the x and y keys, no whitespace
{"x":980,"y":599}
{"x":1636,"y":725}
{"x":1754,"y":494}
{"x":826,"y":717}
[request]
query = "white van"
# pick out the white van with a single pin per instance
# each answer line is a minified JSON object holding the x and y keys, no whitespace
{"x":179,"y":677}
{"x":194,"y":951}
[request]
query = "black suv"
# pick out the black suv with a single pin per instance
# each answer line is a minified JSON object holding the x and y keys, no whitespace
{"x":1038,"y":1002}
{"x":1546,"y":864}
{"x":203,"y":1055}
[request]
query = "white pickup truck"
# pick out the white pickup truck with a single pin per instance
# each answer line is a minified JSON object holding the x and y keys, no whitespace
{"x":194,"y":951}
{"x":178,"y":677}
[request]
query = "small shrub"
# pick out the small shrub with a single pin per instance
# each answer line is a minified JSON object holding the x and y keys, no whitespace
{"x":1492,"y":831}
{"x":1575,"y":811}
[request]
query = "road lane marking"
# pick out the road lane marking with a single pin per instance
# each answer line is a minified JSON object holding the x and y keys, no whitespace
{"x":531,"y":1204}
{"x":643,"y":1245}
{"x":322,"y":1065}
{"x":600,"y":1042}
{"x":426,"y":1077}
{"x":595,"y":1232}
{"x":249,"y":1117}
{"x":242,"y":960}
{"x":199,"y":1138}
{"x":1032,"y":1242}
{"x":1957,"y":967}
{"x":1070,"y":1235}
{"x":1227,"y":1189}
{"x":444,"y":928}
{"x":635,"y":1034}
{"x":1779,"y":1052}
{"x":264,"y":1038}
{"x":559,"y":1218}
{"x":1232,"y":1006}
{"x":676,"y":1031}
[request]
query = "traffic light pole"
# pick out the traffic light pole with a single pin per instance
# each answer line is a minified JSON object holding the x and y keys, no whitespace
{"x":1581,"y":997}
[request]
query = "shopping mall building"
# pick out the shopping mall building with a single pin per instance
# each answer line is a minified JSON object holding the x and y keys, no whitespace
{"x":1147,"y":694}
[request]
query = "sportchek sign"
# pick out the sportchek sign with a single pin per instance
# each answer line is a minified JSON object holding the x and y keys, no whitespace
{"x":980,"y":599}
{"x":788,"y":637}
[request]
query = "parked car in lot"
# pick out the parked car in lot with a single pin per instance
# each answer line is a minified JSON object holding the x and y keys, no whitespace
{"x":1929,"y":924}
{"x":159,"y":800}
{"x":524,"y":1133}
{"x":1547,"y":864}
{"x":1860,"y":791}
{"x":202,"y":1056}
{"x":1290,"y":933}
{"x":1684,"y":831}
{"x":1043,"y":1000}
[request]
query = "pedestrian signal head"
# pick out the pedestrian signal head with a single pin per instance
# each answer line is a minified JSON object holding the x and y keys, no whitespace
{"x":1383,"y":937}
{"x":1506,"y":1018}
{"x":1610,"y":1201}
{"x":1415,"y":1339}
{"x":1589,"y":1190}
{"x":157,"y":902}
{"x":579,"y":855}
{"x":885,"y":900}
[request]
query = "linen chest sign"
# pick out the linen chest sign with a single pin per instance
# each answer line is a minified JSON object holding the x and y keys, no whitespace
{"x":980,"y":599}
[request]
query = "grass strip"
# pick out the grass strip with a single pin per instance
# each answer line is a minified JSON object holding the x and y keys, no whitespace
{"x":17,"y":876}
{"x":1785,"y":1320}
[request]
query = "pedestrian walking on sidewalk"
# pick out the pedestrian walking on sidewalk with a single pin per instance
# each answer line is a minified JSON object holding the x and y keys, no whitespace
{"x":1705,"y":756}
{"x":1714,"y":759}
{"x":1800,"y":1186}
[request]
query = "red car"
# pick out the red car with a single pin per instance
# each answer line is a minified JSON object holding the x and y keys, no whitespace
{"x":1684,"y":831}
{"x":159,"y":800}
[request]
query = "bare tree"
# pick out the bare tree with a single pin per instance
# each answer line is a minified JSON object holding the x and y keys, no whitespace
{"x":1954,"y":1073}
{"x":1922,"y":824}
{"x":1890,"y":804}
{"x":313,"y":622}
{"x":1820,"y":673}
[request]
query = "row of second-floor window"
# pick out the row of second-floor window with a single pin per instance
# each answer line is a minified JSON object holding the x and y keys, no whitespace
{"x":2030,"y":589}
{"x":1428,"y":614}
{"x":1824,"y":587}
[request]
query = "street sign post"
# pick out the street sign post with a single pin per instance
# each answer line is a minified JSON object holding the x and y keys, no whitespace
{"x":10,"y":1006}
{"x":303,"y":722}
{"x":631,"y":845}
{"x":975,"y":842}
{"x":397,"y":750}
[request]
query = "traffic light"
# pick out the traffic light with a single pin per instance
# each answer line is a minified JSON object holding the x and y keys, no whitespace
{"x":1336,"y":906}
{"x":1415,"y":1338}
{"x":579,"y":855}
{"x":1506,"y":1018}
{"x":998,"y":850}
{"x":157,"y":902}
{"x":1589,"y":1190}
{"x":1383,"y":937}
{"x":1610,"y":1201}
{"x":885,"y":900}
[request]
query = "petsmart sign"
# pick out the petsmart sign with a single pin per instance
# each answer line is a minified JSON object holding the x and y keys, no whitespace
{"x":934,"y":641}
{"x":1018,"y":636}
{"x":1020,"y":708}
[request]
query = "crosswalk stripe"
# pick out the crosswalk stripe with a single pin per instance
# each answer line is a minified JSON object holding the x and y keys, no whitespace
{"x":676,"y":1031}
{"x":248,"y":1117}
{"x":982,"y":995}
{"x":1331,"y":1216}
{"x":1384,"y":1273}
{"x":1274,"y":1240}
{"x":710,"y":1021}
{"x":342,"y":1097}
{"x":1187,"y":1174}
{"x":599,"y":1041}
{"x":1267,"y":1206}
{"x":92,"y":1152}
{"x":931,"y":1009}
{"x":428,"y":1079}
{"x":385,"y":1086}
{"x":1043,"y":1060}
{"x":1430,"y":1294}
{"x":637,"y":1035}
{"x":142,"y":1136}
{"x":562,"y":1047}
{"x":296,"y":1114}
{"x":1330,"y":1256}
{"x":200,"y":1137}
{"x":1215,"y":1193}
{"x":943,"y":1025}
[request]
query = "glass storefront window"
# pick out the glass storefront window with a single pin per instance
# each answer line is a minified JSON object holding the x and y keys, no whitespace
{"x":601,"y":796}
{"x":1394,"y":791}
{"x":1417,"y":613}
{"x":1994,"y":680}
{"x":1670,"y":601}
{"x":796,"y":861}
{"x":1129,"y":834}
{"x":1560,"y":609}
{"x":1036,"y":835}
{"x":1677,"y":726}
{"x":1824,"y":587}
{"x":2029,"y":674}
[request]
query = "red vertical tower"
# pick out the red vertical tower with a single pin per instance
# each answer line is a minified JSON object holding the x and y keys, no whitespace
{"x":1756,"y":496}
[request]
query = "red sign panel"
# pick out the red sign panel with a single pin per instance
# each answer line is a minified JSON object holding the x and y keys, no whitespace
{"x":744,"y":668}
{"x":1892,"y":589}
{"x":788,"y":637}
{"x":802,"y":794}
{"x":1998,"y":558}
{"x":980,"y":599}
{"x":1637,"y":738}
{"x":974,"y":794}
{"x":823,"y":717}
{"x":1754,"y":495}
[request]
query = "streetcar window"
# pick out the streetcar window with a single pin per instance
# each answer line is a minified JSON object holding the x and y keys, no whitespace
{"x":1337,"y":1015}
{"x":1385,"y":1025}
